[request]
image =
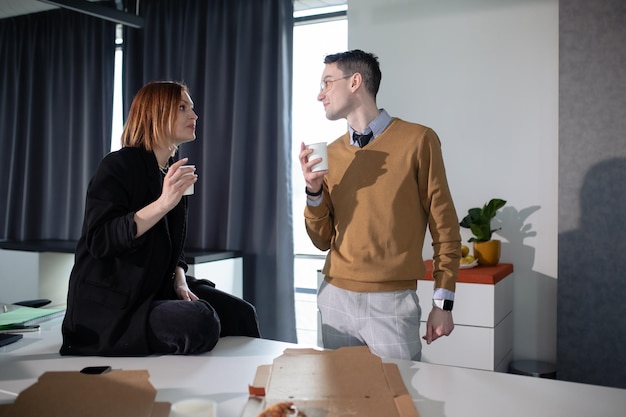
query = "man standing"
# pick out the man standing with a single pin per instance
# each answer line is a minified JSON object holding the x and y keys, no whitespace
{"x":385,"y":185}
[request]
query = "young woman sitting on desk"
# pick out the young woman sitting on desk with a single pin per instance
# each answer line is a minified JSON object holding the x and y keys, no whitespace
{"x":128,"y":292}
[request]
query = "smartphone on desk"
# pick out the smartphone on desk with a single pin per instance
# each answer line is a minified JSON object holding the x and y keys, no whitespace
{"x":95,"y":370}
{"x":8,"y":338}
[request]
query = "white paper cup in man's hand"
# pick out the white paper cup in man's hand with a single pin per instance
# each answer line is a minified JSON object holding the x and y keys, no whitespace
{"x":319,"y":151}
{"x":190,"y":189}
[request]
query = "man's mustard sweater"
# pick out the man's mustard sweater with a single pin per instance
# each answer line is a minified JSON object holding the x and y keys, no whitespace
{"x":376,"y":206}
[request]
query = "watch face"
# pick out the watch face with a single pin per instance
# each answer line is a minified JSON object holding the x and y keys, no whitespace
{"x":445,"y":305}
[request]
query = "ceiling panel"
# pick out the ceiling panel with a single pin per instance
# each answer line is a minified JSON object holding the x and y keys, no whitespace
{"x":9,"y":8}
{"x":300,"y":5}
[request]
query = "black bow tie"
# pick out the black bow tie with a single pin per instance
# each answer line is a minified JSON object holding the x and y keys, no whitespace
{"x":362,"y":140}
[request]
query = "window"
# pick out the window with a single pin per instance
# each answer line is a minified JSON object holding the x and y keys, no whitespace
{"x":118,"y":117}
{"x":316,"y":36}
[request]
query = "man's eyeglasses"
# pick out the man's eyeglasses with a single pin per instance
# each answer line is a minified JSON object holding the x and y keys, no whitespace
{"x":327,"y":84}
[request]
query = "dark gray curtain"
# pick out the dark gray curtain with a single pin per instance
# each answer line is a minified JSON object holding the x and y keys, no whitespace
{"x":56,"y":79}
{"x":235,"y":56}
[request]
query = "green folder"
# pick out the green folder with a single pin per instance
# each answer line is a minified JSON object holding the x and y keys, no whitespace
{"x":11,"y":314}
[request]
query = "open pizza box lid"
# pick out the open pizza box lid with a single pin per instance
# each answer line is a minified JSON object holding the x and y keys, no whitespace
{"x":73,"y":394}
{"x":346,"y":381}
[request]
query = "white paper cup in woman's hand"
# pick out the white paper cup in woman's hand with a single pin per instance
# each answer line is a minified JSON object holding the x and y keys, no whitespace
{"x":190,"y":189}
{"x":319,"y":151}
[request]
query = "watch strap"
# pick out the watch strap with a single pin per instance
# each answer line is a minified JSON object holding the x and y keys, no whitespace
{"x":306,"y":190}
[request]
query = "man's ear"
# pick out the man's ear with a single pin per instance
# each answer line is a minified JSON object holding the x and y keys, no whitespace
{"x":356,"y":81}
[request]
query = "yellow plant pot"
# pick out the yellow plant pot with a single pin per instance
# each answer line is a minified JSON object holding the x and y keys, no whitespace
{"x":487,"y":253}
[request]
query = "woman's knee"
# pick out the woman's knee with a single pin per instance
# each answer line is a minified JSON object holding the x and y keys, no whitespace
{"x":205,"y":326}
{"x":184,"y":327}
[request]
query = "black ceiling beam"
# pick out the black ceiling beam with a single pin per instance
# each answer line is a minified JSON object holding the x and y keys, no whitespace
{"x":321,"y":17}
{"x":100,"y":11}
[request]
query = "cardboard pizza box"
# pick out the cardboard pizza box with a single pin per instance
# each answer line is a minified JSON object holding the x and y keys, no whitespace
{"x":73,"y":394}
{"x":346,"y":381}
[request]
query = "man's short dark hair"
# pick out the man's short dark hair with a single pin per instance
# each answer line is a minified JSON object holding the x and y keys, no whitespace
{"x":364,"y":63}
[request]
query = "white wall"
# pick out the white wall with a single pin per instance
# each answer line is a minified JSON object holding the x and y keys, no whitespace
{"x":484,"y":75}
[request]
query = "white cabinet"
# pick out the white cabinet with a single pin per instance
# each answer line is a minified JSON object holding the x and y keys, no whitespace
{"x":483,"y":318}
{"x":224,"y":268}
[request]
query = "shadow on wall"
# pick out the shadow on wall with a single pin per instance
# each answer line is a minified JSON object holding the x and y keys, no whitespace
{"x":534,"y":311}
{"x":592,"y":283}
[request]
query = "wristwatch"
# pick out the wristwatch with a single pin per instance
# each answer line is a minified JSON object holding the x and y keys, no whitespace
{"x":318,"y":193}
{"x":445,"y":305}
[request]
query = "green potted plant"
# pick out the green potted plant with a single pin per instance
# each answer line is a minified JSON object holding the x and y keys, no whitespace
{"x":478,"y":220}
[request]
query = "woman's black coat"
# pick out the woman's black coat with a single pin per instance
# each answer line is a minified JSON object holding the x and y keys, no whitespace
{"x":116,"y":277}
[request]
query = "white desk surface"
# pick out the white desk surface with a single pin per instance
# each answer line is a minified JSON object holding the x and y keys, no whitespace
{"x":224,"y":374}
